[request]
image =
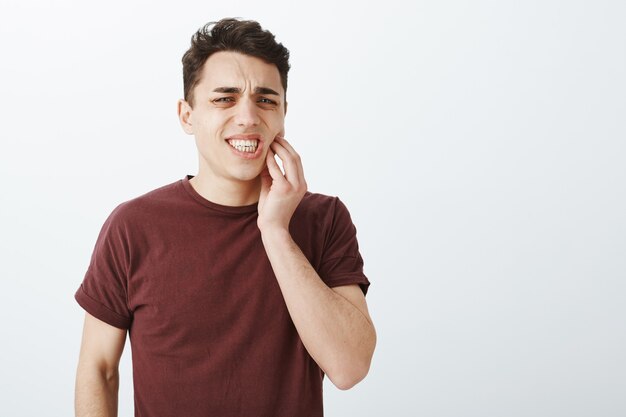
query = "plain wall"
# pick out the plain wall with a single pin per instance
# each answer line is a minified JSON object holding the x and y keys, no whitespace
{"x":480,"y":147}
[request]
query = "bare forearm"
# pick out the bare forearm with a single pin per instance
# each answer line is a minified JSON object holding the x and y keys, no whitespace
{"x":337,"y":335}
{"x":96,"y":393}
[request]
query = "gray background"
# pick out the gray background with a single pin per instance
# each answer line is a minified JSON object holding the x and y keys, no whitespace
{"x":479,"y":146}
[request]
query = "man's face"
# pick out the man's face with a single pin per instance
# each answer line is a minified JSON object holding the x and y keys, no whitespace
{"x":239,"y":109}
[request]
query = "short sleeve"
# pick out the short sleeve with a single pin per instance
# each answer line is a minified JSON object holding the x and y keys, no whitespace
{"x":104,"y":290}
{"x":342,"y":263}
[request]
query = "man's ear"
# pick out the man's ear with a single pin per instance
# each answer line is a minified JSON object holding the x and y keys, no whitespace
{"x":286,"y":108}
{"x":184,"y":116}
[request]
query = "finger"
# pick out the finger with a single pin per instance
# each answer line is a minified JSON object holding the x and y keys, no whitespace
{"x":266,"y":183}
{"x":285,"y":143}
{"x":273,"y":167}
{"x":299,"y":170}
{"x":290,"y":163}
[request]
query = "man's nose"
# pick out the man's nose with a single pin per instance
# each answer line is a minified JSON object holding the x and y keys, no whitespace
{"x":247,"y":112}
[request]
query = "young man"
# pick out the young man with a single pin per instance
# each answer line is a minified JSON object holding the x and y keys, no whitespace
{"x":239,"y":288}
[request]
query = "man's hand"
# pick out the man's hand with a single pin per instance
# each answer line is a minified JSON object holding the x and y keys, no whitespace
{"x":280,"y":194}
{"x":334,"y":325}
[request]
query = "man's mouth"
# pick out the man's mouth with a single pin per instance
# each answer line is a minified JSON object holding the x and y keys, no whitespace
{"x":247,"y":145}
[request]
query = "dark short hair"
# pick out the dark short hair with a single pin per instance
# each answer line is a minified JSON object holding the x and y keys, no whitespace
{"x":229,"y":34}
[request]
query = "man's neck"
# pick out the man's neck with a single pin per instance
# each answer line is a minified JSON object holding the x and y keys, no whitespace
{"x":227,"y":193}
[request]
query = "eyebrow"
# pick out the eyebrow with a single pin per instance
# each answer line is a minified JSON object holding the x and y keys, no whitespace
{"x":236,"y":90}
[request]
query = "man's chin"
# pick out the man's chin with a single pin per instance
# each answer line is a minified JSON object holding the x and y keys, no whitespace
{"x":252,"y":176}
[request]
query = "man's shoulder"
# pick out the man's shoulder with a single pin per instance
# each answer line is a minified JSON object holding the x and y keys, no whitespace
{"x":156,"y":199}
{"x":317,"y":201}
{"x":320,"y":208}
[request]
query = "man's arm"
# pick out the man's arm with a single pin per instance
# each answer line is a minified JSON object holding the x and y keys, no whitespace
{"x":97,"y":376}
{"x":334,"y":325}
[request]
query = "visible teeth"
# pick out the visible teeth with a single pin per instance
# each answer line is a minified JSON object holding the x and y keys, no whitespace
{"x":244,"y":145}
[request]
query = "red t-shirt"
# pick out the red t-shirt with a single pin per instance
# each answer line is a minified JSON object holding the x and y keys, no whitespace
{"x":209,"y":329}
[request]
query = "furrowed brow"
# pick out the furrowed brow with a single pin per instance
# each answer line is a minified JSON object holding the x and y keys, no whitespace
{"x":236,"y":90}
{"x":229,"y":90}
{"x":265,"y":90}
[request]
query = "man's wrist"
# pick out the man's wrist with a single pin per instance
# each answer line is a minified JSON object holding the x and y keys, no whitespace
{"x":275,"y":233}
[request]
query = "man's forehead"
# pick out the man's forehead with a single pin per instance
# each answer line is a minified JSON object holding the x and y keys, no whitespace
{"x":224,"y":70}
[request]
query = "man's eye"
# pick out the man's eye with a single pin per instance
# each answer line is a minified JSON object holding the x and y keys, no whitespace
{"x":267,"y":100}
{"x":223,"y":100}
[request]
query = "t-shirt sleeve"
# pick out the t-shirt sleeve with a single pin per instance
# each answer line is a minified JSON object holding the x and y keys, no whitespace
{"x":342,"y":263}
{"x":104,"y":290}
